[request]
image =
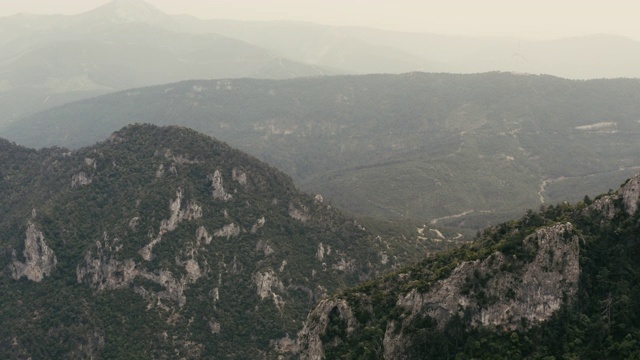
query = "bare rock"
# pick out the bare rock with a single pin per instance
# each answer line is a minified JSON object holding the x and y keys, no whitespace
{"x":91,"y":162}
{"x":80,"y":179}
{"x":309,"y":343}
{"x":191,"y":212}
{"x":259,"y":223}
{"x":630,"y":193}
{"x":239,"y":176}
{"x":228,"y":231}
{"x":267,"y":284}
{"x":218,"y":188}
{"x":40,"y":260}
{"x":300,"y":212}
{"x":498,"y":291}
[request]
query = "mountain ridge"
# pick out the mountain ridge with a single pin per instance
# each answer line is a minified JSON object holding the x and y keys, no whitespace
{"x":163,"y":241}
{"x":380,"y":135}
{"x":538,"y":287}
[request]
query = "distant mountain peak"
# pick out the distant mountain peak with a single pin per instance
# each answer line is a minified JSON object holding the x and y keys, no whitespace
{"x":128,"y":11}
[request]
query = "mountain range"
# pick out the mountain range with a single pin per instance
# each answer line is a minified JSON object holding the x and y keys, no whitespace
{"x":164,"y":243}
{"x":456,"y":150}
{"x":48,"y":60}
{"x":560,"y":283}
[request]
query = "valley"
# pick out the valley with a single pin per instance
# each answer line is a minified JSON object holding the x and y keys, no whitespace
{"x":386,"y":145}
{"x":318,"y":180}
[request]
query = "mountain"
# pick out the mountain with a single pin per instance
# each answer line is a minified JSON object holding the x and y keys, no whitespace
{"x":457,"y":150}
{"x":363,"y":50}
{"x":125,"y":11}
{"x":164,"y":243}
{"x":120,"y":45}
{"x":49,"y":60}
{"x":562,"y":283}
{"x":331,"y":46}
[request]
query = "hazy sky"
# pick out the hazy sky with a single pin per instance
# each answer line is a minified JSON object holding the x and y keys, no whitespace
{"x":521,"y":18}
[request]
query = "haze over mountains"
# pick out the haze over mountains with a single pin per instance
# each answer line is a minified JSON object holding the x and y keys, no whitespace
{"x":129,"y":229}
{"x":48,"y":60}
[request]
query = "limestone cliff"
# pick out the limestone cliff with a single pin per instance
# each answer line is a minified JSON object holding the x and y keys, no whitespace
{"x":499,"y":291}
{"x":556,"y":276}
{"x":40,"y":260}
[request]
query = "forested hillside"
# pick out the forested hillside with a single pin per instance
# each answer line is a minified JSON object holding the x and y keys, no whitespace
{"x":561,"y":283}
{"x":456,"y":150}
{"x":165,"y":243}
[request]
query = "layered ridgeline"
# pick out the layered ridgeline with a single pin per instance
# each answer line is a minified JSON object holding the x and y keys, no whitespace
{"x":48,"y":60}
{"x":461,"y":150}
{"x":562,"y":283}
{"x":164,"y":243}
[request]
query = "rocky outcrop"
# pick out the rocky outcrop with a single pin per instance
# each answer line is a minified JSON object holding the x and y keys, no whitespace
{"x":299,"y":212}
{"x":202,"y":236}
{"x":91,"y":162}
{"x":266,"y":284}
{"x":103,"y":270}
{"x":498,"y":291}
{"x":178,"y":214}
{"x":160,"y":171}
{"x":534,"y":294}
{"x":218,"y":188}
{"x":228,"y":231}
{"x":320,"y":252}
{"x":347,"y":265}
{"x":239,"y":176}
{"x":264,"y":247}
{"x":259,"y":223}
{"x":494,"y":297}
{"x":309,"y":344}
{"x":106,"y":273}
{"x":176,"y":159}
{"x":630,"y":193}
{"x":40,"y":260}
{"x":80,"y":179}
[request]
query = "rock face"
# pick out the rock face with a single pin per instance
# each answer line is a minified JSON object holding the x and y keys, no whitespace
{"x":202,"y":258}
{"x":630,"y":194}
{"x":266,"y":285}
{"x":40,"y":260}
{"x":80,"y":179}
{"x":228,"y":231}
{"x":309,"y":344}
{"x":178,"y":214}
{"x":498,"y":291}
{"x":533,"y":293}
{"x":218,"y":188}
{"x":300,"y":213}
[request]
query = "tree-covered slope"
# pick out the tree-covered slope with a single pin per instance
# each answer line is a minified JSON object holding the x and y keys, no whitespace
{"x":561,"y":283}
{"x":165,"y":243}
{"x":461,"y":150}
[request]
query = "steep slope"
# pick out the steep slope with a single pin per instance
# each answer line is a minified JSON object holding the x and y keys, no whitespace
{"x":164,"y":243}
{"x":459,"y":150}
{"x":561,"y":283}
